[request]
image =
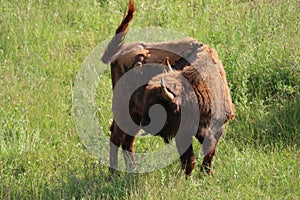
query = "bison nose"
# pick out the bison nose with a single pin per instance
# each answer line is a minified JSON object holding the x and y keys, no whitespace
{"x":145,"y":121}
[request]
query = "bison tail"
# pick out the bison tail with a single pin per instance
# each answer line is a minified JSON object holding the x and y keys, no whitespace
{"x":125,"y":22}
{"x":117,"y":41}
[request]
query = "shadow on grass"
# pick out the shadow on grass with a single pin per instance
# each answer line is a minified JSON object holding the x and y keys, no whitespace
{"x":94,"y":186}
{"x":97,"y":183}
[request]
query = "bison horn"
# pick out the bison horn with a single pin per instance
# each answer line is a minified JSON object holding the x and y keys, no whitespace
{"x":164,"y":92}
{"x":169,"y":68}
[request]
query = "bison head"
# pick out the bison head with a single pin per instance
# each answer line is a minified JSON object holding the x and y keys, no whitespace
{"x":158,"y":93}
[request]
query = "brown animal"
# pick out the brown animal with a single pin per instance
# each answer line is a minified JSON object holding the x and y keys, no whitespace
{"x":207,"y":78}
{"x":125,"y":56}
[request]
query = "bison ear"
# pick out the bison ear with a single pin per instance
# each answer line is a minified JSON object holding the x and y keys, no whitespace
{"x":168,"y":96}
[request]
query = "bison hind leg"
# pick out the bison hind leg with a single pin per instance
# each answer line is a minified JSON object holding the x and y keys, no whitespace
{"x":128,"y":153}
{"x":116,"y":140}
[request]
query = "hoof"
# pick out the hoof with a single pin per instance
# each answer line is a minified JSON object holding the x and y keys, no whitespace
{"x":207,"y":170}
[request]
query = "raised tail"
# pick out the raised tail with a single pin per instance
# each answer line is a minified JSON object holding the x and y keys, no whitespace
{"x":117,"y":41}
{"x":125,"y":22}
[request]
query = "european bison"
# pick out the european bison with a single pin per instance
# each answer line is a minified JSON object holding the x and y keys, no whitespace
{"x":177,"y":55}
{"x":125,"y":56}
{"x":208,"y":80}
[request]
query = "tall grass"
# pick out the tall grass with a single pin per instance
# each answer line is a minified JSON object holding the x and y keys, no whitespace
{"x":42,"y":45}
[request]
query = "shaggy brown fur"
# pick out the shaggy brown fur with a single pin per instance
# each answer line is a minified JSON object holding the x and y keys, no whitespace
{"x":125,"y":22}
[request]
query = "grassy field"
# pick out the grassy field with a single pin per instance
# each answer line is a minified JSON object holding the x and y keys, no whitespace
{"x":42,"y":46}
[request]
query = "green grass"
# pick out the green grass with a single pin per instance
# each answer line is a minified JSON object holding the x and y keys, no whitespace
{"x":42,"y":46}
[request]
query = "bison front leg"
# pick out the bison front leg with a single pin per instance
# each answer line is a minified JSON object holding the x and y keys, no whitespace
{"x":188,"y":161}
{"x":128,"y":153}
{"x":116,"y":139}
{"x":207,"y":165}
{"x":209,"y":148}
{"x":187,"y":156}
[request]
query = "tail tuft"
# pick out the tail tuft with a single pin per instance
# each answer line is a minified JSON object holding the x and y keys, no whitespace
{"x":117,"y":41}
{"x":125,"y":22}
